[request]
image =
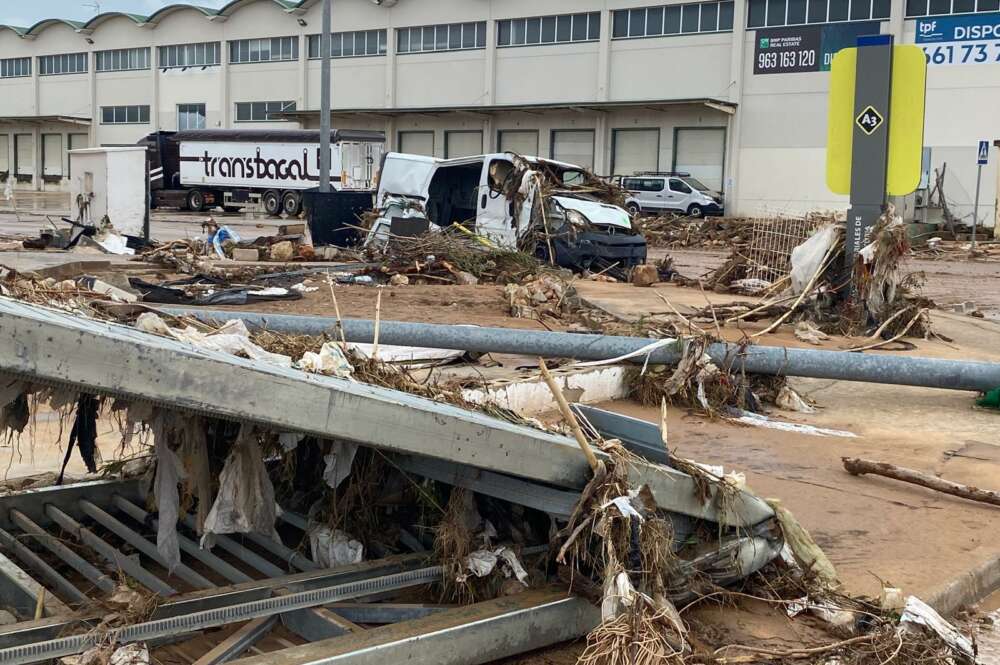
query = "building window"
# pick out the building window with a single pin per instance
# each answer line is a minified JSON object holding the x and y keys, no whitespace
{"x":672,"y":20}
{"x":67,"y":63}
{"x":453,"y":37}
{"x":205,"y":54}
{"x":416,"y":143}
{"x":125,"y":115}
{"x":351,"y":44}
{"x":918,"y":8}
{"x":15,"y":67}
{"x":261,"y":111}
{"x":549,"y":29}
{"x":122,"y":60}
{"x":276,"y":49}
{"x":190,"y":116}
{"x":770,"y":13}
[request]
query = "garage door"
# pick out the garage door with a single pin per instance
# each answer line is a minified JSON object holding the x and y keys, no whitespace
{"x":24,"y":153}
{"x":701,"y":152}
{"x":519,"y":141}
{"x":417,"y":143}
{"x":574,"y":146}
{"x":463,"y":144}
{"x":4,"y":153}
{"x":635,"y":150}
{"x":52,"y":154}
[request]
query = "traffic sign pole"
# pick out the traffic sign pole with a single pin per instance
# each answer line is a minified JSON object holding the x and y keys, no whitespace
{"x":983,"y":154}
{"x":870,"y":151}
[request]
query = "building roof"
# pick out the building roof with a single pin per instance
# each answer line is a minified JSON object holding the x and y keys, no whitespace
{"x":151,"y":20}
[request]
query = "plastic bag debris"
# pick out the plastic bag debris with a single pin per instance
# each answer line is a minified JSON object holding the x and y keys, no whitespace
{"x":789,"y":400}
{"x":169,"y":472}
{"x":918,"y":615}
{"x":332,"y":547}
{"x":130,"y":654}
{"x":245,"y":503}
{"x":807,"y":332}
{"x":220,"y":236}
{"x":757,"y":420}
{"x":233,"y":338}
{"x":624,"y":506}
{"x":482,"y":562}
{"x":807,"y":257}
{"x":329,"y":361}
{"x":290,"y":440}
{"x":338,"y":462}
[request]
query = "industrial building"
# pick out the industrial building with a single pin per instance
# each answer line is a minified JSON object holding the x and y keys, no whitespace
{"x":732,"y":91}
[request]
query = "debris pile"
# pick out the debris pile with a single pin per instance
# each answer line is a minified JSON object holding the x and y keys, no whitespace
{"x":540,"y":296}
{"x":675,"y":231}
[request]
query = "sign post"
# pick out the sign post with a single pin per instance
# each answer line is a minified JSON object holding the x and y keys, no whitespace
{"x":870,"y":146}
{"x":875,"y":131}
{"x":982,"y":157}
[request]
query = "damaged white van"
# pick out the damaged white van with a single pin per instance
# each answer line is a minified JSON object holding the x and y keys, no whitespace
{"x":535,"y":205}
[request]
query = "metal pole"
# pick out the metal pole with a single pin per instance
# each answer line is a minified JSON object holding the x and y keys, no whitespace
{"x":324,"y":105}
{"x":975,"y":205}
{"x":772,"y":360}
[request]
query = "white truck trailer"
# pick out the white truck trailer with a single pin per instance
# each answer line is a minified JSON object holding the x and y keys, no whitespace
{"x":233,"y":168}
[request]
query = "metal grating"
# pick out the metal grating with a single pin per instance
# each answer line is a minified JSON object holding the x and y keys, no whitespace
{"x":772,"y":240}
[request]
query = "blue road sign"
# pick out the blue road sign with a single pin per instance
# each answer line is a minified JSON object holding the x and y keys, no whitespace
{"x":984,"y":153}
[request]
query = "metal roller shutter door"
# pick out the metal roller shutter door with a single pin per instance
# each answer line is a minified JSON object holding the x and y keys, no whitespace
{"x":701,"y":152}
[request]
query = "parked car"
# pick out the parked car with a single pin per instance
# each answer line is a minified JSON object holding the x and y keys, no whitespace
{"x":670,"y":192}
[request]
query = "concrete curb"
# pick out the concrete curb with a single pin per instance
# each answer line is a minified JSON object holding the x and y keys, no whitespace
{"x":968,"y":588}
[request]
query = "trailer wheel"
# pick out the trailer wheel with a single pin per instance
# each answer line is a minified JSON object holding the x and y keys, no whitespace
{"x":195,"y":201}
{"x":272,"y":202}
{"x":291,"y":203}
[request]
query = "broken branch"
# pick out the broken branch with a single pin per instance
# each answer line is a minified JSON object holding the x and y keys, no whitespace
{"x":574,"y":424}
{"x":857,"y":467}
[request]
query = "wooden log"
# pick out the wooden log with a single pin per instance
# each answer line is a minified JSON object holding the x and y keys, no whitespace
{"x":857,"y":467}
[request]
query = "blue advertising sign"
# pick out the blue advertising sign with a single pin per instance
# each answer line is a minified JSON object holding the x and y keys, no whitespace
{"x":960,"y":40}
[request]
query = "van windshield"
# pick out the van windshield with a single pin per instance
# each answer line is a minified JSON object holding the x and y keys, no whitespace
{"x":697,"y":184}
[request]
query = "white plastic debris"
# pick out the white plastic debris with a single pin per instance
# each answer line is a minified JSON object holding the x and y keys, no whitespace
{"x":757,"y":420}
{"x":169,"y":472}
{"x":807,"y":332}
{"x":918,"y":615}
{"x":789,"y":400}
{"x":408,"y":355}
{"x":130,"y":654}
{"x":245,"y":503}
{"x":332,"y":547}
{"x":302,"y":288}
{"x":112,"y":243}
{"x":338,"y":462}
{"x":482,"y":562}
{"x":329,"y":361}
{"x":619,"y":595}
{"x":233,"y":338}
{"x":290,"y":440}
{"x":624,"y":506}
{"x":807,"y":257}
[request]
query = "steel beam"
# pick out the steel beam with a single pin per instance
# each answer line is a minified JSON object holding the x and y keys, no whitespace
{"x":244,"y":638}
{"x":109,"y":553}
{"x":386,"y":613}
{"x":286,"y":554}
{"x":772,"y":360}
{"x":316,"y":623}
{"x":471,"y":635}
{"x":557,"y":503}
{"x":40,"y":345}
{"x":187,"y":545}
{"x":243,"y":554}
{"x":640,"y":436}
{"x":62,"y":586}
{"x":32,"y":502}
{"x":136,"y":540}
{"x":68,"y":556}
{"x":18,"y":590}
{"x":213,"y":618}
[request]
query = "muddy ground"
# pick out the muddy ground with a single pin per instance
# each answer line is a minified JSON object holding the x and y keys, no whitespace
{"x":873,"y":529}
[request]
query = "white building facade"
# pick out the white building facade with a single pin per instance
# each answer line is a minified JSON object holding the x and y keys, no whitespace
{"x":733,"y":91}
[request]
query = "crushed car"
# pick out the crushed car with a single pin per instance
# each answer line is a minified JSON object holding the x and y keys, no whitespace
{"x":556,"y":211}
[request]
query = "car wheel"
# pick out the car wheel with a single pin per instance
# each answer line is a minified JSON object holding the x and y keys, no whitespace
{"x":695,"y":211}
{"x":291,"y":203}
{"x":633,"y":209}
{"x":272,"y":202}
{"x":195,"y":201}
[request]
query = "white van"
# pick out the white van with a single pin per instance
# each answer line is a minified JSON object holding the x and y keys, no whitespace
{"x":670,"y":192}
{"x":495,"y":196}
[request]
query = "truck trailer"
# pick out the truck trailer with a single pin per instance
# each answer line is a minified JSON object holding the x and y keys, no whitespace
{"x":233,"y":168}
